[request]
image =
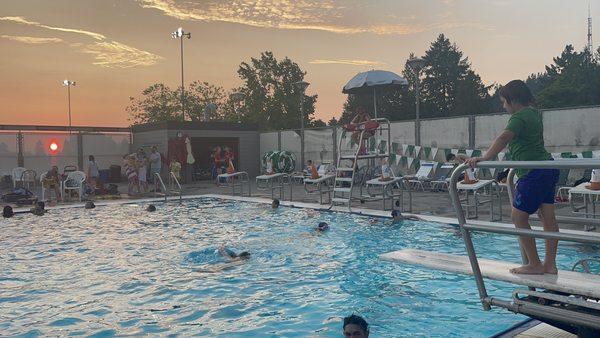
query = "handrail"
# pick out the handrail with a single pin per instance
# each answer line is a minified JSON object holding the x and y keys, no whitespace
{"x":157,"y":175}
{"x":467,"y":228}
{"x":172,"y":178}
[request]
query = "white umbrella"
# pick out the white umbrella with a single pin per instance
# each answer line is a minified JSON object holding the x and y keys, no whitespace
{"x":371,"y":81}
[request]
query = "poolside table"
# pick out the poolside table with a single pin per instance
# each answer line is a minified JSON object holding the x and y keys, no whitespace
{"x":480,"y":193}
{"x":591,"y":198}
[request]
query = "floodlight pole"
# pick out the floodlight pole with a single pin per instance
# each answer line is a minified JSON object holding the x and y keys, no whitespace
{"x":415,"y":65}
{"x":302,"y":85}
{"x":68,"y":84}
{"x":180,"y":34}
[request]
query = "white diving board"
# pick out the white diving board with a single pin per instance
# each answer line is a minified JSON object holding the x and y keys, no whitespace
{"x":566,"y":281}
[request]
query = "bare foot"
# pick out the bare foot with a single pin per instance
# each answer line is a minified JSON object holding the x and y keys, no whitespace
{"x":551,"y":270}
{"x":529,"y":269}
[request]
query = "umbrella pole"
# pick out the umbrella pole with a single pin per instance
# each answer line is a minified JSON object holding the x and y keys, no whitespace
{"x":375,"y":102}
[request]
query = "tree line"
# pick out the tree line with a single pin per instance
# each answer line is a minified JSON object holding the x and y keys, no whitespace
{"x":269,"y":98}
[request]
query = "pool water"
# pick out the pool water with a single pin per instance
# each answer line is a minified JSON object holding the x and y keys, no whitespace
{"x":118,"y":270}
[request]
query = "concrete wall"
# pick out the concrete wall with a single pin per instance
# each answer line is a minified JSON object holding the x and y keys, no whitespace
{"x":403,"y":132}
{"x":572,"y":129}
{"x":445,"y":133}
{"x":487,"y":127}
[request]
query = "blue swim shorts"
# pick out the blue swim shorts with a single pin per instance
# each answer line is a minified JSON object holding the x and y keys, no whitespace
{"x":535,"y":189}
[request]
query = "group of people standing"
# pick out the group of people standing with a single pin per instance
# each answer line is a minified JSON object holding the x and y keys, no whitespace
{"x":222,"y":161}
{"x":139,"y":166}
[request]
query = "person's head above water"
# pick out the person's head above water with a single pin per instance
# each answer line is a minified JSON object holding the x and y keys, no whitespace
{"x":243,"y":255}
{"x":7,"y":211}
{"x":89,"y":205}
{"x":397,"y":215}
{"x":355,"y":326}
{"x":275,"y":204}
{"x":323,"y":226}
{"x":151,"y":208}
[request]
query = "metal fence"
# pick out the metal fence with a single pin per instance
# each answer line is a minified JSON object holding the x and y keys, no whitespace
{"x":39,"y":148}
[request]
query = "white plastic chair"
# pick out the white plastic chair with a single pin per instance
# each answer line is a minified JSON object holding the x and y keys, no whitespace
{"x":75,"y":180}
{"x":17,"y":175}
{"x":29,"y":178}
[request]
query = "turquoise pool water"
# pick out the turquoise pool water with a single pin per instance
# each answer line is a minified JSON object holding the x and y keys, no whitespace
{"x":118,"y":270}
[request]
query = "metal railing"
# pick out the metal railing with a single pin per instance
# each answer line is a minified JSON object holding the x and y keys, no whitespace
{"x":173,"y":179}
{"x":466,"y":229}
{"x":157,"y":180}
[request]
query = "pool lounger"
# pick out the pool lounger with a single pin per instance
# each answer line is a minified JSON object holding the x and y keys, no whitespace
{"x":274,"y":182}
{"x":386,"y":190}
{"x":316,"y":185}
{"x":233,"y":180}
{"x":569,"y":282}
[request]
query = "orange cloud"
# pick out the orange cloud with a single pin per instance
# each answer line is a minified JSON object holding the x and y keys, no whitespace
{"x":286,"y":14}
{"x":107,"y":53}
{"x":31,"y":39}
{"x":347,"y":62}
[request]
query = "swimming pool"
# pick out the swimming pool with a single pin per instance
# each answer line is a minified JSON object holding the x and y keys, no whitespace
{"x":118,"y":270}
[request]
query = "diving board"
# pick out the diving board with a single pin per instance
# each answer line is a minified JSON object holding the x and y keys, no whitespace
{"x":570,"y":282}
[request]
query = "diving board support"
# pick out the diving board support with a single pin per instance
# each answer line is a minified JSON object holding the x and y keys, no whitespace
{"x":542,"y":312}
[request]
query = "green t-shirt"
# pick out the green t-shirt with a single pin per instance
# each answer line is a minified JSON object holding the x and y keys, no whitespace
{"x":528,"y":143}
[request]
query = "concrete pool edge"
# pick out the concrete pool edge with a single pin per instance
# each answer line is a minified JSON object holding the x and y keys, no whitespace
{"x":315,"y":206}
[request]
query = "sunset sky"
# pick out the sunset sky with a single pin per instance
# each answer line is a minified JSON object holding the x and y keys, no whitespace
{"x":114,"y":49}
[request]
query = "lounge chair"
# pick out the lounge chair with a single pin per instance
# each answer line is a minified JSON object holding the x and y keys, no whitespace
{"x":233,"y":180}
{"x":442,"y":177}
{"x":378,"y":189}
{"x":275,"y":181}
{"x":322,"y":185}
{"x":422,"y":177}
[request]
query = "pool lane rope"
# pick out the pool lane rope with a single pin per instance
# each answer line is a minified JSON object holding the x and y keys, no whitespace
{"x":283,"y":161}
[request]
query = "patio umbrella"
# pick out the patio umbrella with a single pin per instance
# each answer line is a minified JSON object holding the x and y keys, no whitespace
{"x":373,"y":80}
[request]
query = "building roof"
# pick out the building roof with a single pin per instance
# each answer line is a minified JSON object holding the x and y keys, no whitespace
{"x":194,"y":125}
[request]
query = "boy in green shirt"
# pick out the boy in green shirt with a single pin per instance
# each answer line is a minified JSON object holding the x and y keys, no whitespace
{"x":524,"y":135}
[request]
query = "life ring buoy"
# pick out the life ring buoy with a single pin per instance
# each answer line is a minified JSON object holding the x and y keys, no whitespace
{"x":369,"y":125}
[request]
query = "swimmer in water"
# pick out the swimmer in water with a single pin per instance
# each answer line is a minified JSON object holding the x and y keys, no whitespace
{"x":228,"y":253}
{"x":7,"y":212}
{"x":275,"y":204}
{"x":151,"y":208}
{"x":89,"y":205}
{"x":397,"y":217}
{"x":322,"y":227}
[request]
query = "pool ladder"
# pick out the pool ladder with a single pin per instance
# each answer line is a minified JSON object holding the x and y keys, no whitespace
{"x":172,"y":182}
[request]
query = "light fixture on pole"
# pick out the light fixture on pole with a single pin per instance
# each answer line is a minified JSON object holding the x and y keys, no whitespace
{"x":237,"y":98}
{"x":416,"y":65}
{"x":69,"y":84}
{"x":180,"y":34}
{"x":301,"y":86}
